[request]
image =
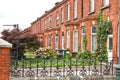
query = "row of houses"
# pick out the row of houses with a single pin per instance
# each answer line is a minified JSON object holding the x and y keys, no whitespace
{"x":64,"y":26}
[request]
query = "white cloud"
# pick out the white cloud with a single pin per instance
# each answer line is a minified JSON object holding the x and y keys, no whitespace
{"x":22,"y":12}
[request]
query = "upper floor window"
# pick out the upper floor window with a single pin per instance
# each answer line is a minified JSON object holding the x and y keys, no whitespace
{"x":106,"y":3}
{"x":92,"y":7}
{"x":62,"y":15}
{"x":57,"y":18}
{"x":45,"y":24}
{"x":75,"y":8}
{"x":68,"y":7}
{"x":50,"y":21}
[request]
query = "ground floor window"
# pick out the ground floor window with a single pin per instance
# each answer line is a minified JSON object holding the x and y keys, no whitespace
{"x":56,"y":41}
{"x":93,"y":39}
{"x":62,"y":40}
{"x":82,"y":38}
{"x":75,"y":40}
{"x":68,"y":39}
{"x":49,"y":40}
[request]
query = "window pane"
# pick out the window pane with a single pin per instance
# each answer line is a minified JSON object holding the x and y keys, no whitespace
{"x":83,"y":34}
{"x":75,"y":44}
{"x":91,"y":5}
{"x":93,"y":29}
{"x":93,"y":39}
{"x":68,"y":11}
{"x":56,"y":41}
{"x":110,"y":43}
{"x":83,"y":30}
{"x":62,"y":15}
{"x":106,"y":2}
{"x":94,"y":43}
{"x":68,"y":39}
{"x":75,"y":8}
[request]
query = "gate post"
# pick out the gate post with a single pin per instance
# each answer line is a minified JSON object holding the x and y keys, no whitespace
{"x":118,"y":72}
{"x":4,"y":59}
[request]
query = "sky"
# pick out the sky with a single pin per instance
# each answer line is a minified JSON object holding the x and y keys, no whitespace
{"x":22,"y":12}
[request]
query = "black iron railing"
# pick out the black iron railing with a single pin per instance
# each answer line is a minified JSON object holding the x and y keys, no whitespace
{"x":60,"y":67}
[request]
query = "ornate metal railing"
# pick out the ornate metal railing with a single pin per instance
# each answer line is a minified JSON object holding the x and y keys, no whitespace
{"x":58,"y":68}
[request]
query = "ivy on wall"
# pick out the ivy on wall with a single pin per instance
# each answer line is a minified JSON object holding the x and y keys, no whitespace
{"x":103,"y":29}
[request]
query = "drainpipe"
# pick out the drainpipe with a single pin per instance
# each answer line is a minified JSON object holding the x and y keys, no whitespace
{"x":119,"y":35}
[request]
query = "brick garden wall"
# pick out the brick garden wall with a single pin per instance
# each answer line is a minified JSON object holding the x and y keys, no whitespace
{"x":4,"y":63}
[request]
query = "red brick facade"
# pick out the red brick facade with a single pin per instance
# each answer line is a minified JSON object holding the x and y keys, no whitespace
{"x":51,"y":24}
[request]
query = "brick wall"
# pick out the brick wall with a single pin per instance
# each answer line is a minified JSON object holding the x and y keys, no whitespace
{"x":4,"y":63}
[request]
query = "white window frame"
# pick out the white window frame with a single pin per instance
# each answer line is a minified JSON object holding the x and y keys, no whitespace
{"x":56,"y":41}
{"x":83,"y":34}
{"x":95,"y":43}
{"x":75,"y":8}
{"x":106,"y":3}
{"x":92,"y":5}
{"x":62,"y":15}
{"x":68,"y":39}
{"x":68,"y":16}
{"x":75,"y":42}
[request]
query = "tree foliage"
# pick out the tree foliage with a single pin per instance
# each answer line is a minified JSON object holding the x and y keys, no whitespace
{"x":25,"y":40}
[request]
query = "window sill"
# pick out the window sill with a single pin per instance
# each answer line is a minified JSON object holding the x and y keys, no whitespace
{"x":92,"y":12}
{"x":57,"y":24}
{"x":62,"y":22}
{"x":75,"y":19}
{"x":68,"y":21}
{"x":74,"y":53}
{"x":104,"y":7}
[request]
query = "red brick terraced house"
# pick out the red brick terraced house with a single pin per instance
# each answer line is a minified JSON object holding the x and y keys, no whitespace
{"x":63,"y":26}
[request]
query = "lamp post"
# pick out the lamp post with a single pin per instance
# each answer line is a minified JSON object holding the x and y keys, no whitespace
{"x":16,"y":26}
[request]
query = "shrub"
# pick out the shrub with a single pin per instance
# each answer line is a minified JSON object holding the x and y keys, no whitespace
{"x":46,"y":53}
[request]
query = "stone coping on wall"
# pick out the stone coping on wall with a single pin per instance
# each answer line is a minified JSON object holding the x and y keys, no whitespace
{"x":105,"y":77}
{"x":5,"y":44}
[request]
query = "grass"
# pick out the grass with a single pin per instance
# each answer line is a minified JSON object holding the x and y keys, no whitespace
{"x":31,"y":61}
